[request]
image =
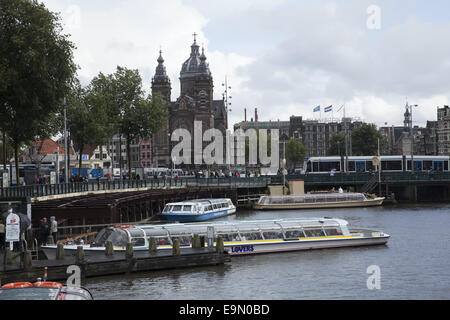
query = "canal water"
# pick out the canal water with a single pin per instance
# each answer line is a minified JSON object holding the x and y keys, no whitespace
{"x":415,"y":264}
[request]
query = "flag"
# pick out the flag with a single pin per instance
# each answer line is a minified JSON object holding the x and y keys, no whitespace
{"x":328,"y":109}
{"x":316,"y":109}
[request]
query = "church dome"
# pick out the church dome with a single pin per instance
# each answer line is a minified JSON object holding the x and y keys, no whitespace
{"x":195,"y":65}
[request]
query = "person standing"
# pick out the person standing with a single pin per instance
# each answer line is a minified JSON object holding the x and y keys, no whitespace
{"x":54,"y":229}
{"x":43,"y":231}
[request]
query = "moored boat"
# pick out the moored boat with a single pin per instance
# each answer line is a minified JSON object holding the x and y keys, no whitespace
{"x":317,"y":201}
{"x":197,"y":210}
{"x":240,"y":237}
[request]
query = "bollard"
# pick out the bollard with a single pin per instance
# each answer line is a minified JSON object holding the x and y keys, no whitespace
{"x":59,"y":251}
{"x":27,"y":264}
{"x":129,"y":251}
{"x":219,"y":245}
{"x":50,"y":240}
{"x":202,"y":241}
{"x":176,"y":248}
{"x":196,"y":242}
{"x":8,"y":257}
{"x":152,"y":245}
{"x":79,"y":259}
{"x":108,"y":248}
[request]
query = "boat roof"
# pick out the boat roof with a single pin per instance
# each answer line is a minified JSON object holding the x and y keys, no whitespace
{"x":315,"y":195}
{"x":197,"y":201}
{"x":246,"y":225}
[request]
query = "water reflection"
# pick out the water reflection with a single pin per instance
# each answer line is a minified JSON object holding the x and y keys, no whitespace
{"x":414,"y":264}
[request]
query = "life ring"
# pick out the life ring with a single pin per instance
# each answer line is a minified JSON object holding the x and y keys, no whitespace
{"x":47,"y":284}
{"x":17,"y":285}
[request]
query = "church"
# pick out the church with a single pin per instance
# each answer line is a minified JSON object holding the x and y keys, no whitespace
{"x":195,"y":103}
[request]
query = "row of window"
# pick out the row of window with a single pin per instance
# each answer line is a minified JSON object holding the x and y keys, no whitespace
{"x":289,"y":234}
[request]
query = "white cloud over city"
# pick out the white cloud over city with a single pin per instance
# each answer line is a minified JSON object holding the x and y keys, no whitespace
{"x":283,"y":57}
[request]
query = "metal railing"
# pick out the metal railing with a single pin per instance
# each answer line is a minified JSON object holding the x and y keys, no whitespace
{"x":42,"y":190}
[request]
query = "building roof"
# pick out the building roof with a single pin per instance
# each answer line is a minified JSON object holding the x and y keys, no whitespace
{"x":48,"y":146}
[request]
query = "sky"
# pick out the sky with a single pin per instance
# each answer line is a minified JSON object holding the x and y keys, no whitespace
{"x":283,"y":57}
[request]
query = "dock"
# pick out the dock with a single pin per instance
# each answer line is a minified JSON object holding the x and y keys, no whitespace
{"x":115,"y":264}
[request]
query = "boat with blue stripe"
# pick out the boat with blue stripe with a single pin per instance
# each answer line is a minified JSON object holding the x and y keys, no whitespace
{"x":197,"y":210}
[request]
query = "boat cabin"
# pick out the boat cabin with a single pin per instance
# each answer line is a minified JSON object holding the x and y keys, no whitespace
{"x":312,"y":198}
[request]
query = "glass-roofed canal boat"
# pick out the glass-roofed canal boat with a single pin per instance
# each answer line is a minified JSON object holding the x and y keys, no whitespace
{"x":317,"y":200}
{"x":197,"y":210}
{"x":240,"y":237}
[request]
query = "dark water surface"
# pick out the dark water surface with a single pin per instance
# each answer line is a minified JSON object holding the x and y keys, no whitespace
{"x":415,"y":264}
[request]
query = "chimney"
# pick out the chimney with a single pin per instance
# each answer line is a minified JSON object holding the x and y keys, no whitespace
{"x":256,"y":114}
{"x":245,"y":114}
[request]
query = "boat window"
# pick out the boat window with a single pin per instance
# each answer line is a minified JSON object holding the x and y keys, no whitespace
{"x":119,"y":238}
{"x":314,"y":233}
{"x":177,"y":207}
{"x":251,"y":236}
{"x":138,"y":242}
{"x":183,"y":240}
{"x":162,"y":241}
{"x":227,"y":237}
{"x":333,"y":231}
{"x":215,"y":206}
{"x":167,"y":208}
{"x":187,"y":208}
{"x":210,"y":207}
{"x":273,"y":234}
{"x":102,"y":236}
{"x":294,"y":234}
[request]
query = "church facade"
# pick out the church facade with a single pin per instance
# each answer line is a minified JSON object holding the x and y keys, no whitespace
{"x":195,"y":103}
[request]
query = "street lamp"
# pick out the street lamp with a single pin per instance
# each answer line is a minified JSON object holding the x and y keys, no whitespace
{"x":226,"y":96}
{"x":412,"y":137}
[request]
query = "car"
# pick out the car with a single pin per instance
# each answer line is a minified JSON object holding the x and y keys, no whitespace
{"x":43,"y":290}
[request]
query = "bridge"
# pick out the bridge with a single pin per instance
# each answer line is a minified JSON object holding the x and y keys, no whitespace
{"x":81,"y":205}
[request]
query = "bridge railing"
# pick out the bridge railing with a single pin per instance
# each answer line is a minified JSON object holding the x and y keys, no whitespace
{"x":42,"y":190}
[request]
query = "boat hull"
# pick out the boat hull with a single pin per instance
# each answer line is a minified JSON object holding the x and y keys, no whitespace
{"x":182,"y":217}
{"x":321,"y":205}
{"x":240,"y":248}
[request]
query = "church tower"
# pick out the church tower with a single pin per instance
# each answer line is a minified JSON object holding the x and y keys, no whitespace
{"x":160,"y":140}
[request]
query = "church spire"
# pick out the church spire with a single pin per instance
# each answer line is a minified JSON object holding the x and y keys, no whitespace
{"x":160,"y":69}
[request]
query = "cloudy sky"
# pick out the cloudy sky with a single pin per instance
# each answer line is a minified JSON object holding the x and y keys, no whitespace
{"x":284,"y":57}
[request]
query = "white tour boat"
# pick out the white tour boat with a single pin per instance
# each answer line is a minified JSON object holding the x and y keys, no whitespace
{"x":197,"y":210}
{"x":317,"y":201}
{"x":240,"y":237}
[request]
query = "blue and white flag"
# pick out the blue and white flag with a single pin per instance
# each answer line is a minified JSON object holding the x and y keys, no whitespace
{"x":316,"y":109}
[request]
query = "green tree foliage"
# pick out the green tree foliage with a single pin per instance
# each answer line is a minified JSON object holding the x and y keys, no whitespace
{"x":131,"y":112}
{"x":337,"y":144}
{"x":365,"y":140}
{"x":295,"y":152}
{"x":36,"y":70}
{"x":87,"y":119}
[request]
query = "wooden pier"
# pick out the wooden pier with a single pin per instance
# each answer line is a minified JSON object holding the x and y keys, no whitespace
{"x":115,"y":264}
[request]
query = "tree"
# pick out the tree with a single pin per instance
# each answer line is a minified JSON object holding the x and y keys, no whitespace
{"x":132,"y":114}
{"x":87,"y":119}
{"x":365,"y":140}
{"x":337,"y":144}
{"x":295,"y":152}
{"x":36,"y":70}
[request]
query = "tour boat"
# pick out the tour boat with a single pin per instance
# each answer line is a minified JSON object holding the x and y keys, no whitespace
{"x":43,"y":290}
{"x":317,"y":201}
{"x":239,"y":237}
{"x":197,"y":210}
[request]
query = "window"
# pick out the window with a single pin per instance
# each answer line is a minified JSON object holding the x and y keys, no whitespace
{"x":138,"y":242}
{"x":187,"y":208}
{"x":251,"y":236}
{"x":275,"y":234}
{"x":177,"y":207}
{"x":227,"y":237}
{"x":294,"y":234}
{"x":333,"y":231}
{"x":314,"y":233}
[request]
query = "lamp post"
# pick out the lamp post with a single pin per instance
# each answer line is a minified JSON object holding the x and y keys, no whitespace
{"x":226,"y":96}
{"x":412,"y":138}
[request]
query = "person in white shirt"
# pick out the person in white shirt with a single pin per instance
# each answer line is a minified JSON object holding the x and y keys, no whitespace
{"x":54,"y":229}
